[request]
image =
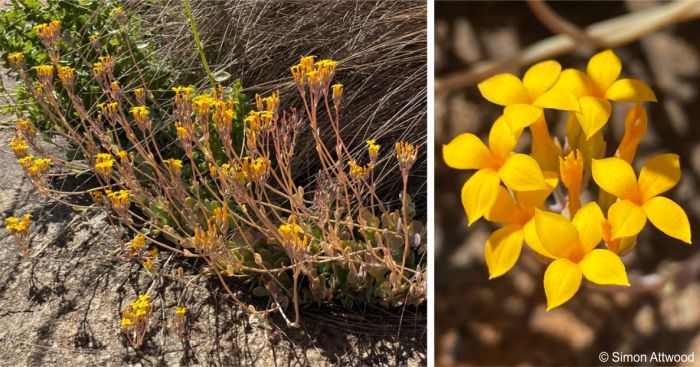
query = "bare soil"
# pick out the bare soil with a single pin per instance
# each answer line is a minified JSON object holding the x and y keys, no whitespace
{"x":503,"y":321}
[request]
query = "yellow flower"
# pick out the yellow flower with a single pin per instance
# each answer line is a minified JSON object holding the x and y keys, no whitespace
{"x":119,"y":199}
{"x":356,"y":171}
{"x":19,"y":146}
{"x":524,"y":100}
{"x":202,"y":104}
{"x":406,"y":154}
{"x":15,"y":60}
{"x":181,"y":311}
{"x":182,"y":132}
{"x":103,"y":164}
{"x":174,"y":166}
{"x":572,"y":244}
{"x":494,"y":164}
{"x":140,"y":113}
{"x":26,"y":128}
{"x":26,"y":161}
{"x":16,"y":225}
{"x":373,"y":149}
{"x":45,"y":72}
{"x":126,"y":323}
{"x":597,"y":86}
{"x":639,"y":199}
{"x":293,"y":234}
{"x":108,"y":109}
{"x":504,"y":245}
{"x":138,"y":243}
{"x":67,"y":75}
{"x":337,"y":91}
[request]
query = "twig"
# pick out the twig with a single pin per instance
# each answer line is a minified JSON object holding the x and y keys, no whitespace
{"x":612,"y":33}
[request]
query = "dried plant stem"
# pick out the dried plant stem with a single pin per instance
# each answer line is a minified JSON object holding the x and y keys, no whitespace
{"x":611,"y":33}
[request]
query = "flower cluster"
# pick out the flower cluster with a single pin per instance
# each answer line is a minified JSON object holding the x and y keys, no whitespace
{"x":19,"y":228}
{"x":511,"y":189}
{"x":135,"y":318}
{"x":103,"y":165}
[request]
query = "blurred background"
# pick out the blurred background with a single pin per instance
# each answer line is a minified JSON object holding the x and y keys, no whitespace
{"x":504,"y":321}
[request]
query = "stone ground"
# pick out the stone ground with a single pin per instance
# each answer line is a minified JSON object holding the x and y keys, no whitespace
{"x":61,"y":306}
{"x":503,"y":321}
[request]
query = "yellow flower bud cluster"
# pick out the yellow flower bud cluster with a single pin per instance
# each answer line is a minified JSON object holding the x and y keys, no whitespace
{"x":119,"y":199}
{"x":181,"y":311}
{"x":108,"y":109}
{"x":293,"y":235}
{"x":16,"y":225}
{"x":580,"y":241}
{"x":136,"y":315}
{"x":44,"y":73}
{"x":19,"y":146}
{"x":317,"y":75}
{"x":174,"y":166}
{"x":406,"y":154}
{"x":67,"y":76}
{"x":16,"y":60}
{"x":224,"y":114}
{"x":373,"y":149}
{"x":103,"y":165}
{"x":358,"y":172}
{"x":35,"y":168}
{"x":270,"y":103}
{"x":137,"y":244}
{"x":140,"y":114}
{"x":182,"y":94}
{"x":104,"y":68}
{"x":49,"y":33}
{"x":26,"y":128}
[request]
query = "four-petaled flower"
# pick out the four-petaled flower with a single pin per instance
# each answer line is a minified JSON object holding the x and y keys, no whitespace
{"x":524,"y":100}
{"x":597,"y":86}
{"x":573,"y":246}
{"x":639,"y":199}
{"x":495,"y":163}
{"x":504,"y":245}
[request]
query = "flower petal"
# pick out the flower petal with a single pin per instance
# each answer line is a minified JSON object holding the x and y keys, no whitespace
{"x":540,"y":77}
{"x":503,"y":250}
{"x":562,"y":279}
{"x":466,"y":151}
{"x":557,"y":235}
{"x":615,"y":176}
{"x":479,"y":193}
{"x":520,"y":116}
{"x":659,"y":175}
{"x":536,"y":198}
{"x":668,"y":217}
{"x":503,"y":209}
{"x":588,"y":221}
{"x":521,"y":172}
{"x":502,"y":139}
{"x":504,"y":90}
{"x":626,"y":219}
{"x":604,"y":68}
{"x":558,"y":100}
{"x":533,"y":240}
{"x":604,"y":267}
{"x":575,"y":82}
{"x":630,"y":90}
{"x":594,"y":114}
